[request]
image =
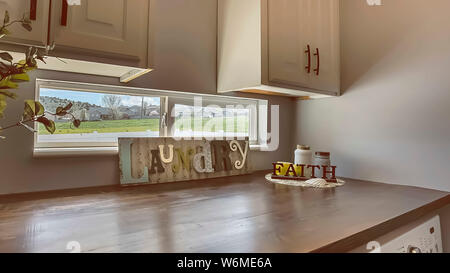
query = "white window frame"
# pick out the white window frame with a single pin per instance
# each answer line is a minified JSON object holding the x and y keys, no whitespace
{"x":257,"y":126}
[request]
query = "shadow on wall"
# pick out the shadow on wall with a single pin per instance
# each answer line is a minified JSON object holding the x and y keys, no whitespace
{"x":368,"y":42}
{"x":391,"y":124}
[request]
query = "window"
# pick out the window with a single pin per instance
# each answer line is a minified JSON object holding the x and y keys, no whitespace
{"x":110,"y":112}
{"x":104,"y":116}
{"x":210,"y":117}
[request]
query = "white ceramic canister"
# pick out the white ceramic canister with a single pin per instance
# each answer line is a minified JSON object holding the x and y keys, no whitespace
{"x":303,"y":156}
{"x":322,"y":159}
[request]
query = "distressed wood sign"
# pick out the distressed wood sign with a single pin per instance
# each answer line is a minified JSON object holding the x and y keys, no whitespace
{"x":161,"y":160}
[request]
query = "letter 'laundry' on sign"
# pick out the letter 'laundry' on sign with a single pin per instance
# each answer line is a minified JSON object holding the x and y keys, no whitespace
{"x":203,"y":160}
{"x":161,"y":160}
{"x":161,"y":152}
{"x":183,"y":160}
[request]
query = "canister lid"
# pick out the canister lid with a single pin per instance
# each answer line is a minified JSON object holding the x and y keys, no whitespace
{"x":325,"y":154}
{"x":303,"y":147}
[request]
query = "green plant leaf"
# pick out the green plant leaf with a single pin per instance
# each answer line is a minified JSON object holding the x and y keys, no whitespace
{"x":6,"y":19}
{"x":34,"y":52}
{"x":49,"y":124}
{"x":60,"y":111}
{"x":29,"y":68}
{"x":28,"y":54}
{"x":20,"y":77}
{"x":68,"y":106}
{"x":28,"y":111}
{"x":32,"y":109}
{"x":6,"y":83}
{"x":26,"y":20}
{"x":12,"y":85}
{"x":4,"y":32}
{"x":27,"y":26}
{"x":76,"y":123}
{"x":40,"y":56}
{"x":3,"y":82}
{"x":6,"y":56}
{"x":2,"y":104}
{"x":8,"y":94}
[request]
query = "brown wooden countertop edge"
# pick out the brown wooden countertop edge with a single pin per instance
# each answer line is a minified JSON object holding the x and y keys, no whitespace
{"x":342,"y":243}
{"x":365,"y":236}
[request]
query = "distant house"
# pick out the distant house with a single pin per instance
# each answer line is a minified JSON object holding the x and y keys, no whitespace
{"x":106,"y":117}
{"x":90,"y":112}
{"x":136,"y":112}
{"x":153,"y":111}
{"x":133,"y":112}
{"x":98,"y":113}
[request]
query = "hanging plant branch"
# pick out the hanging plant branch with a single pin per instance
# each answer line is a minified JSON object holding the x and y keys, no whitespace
{"x":34,"y":112}
{"x":12,"y":73}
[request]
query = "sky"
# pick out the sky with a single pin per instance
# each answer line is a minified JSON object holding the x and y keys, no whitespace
{"x":94,"y":98}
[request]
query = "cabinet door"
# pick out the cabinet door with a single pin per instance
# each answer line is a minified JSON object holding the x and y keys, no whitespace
{"x":288,"y":37}
{"x":183,"y":45}
{"x":37,"y":10}
{"x":325,"y":38}
{"x":293,"y":26}
{"x":106,"y":27}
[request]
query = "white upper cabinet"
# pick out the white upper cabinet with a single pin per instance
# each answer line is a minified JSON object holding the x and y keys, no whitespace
{"x":288,"y":47}
{"x":99,"y":37}
{"x":238,"y":44}
{"x":36,"y":10}
{"x":107,"y":27}
{"x":303,"y":43}
{"x":292,"y":44}
{"x":326,"y":39}
{"x":288,"y":39}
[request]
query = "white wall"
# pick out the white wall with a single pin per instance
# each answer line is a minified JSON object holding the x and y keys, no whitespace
{"x":20,"y":172}
{"x":183,"y":53}
{"x":392,"y":123}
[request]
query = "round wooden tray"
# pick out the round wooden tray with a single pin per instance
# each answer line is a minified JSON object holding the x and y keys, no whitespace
{"x":312,"y":183}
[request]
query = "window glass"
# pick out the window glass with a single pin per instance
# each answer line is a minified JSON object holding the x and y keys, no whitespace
{"x":211,"y":121}
{"x":110,"y":112}
{"x":105,"y":117}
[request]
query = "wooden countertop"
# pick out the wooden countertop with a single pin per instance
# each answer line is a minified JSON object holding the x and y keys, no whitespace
{"x":232,"y":214}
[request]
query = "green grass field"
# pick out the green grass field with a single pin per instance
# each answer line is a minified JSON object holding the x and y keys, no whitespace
{"x":135,"y":125}
{"x":105,"y":126}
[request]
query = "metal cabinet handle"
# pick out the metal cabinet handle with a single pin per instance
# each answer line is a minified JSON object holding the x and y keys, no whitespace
{"x":33,"y":6}
{"x":317,"y":54}
{"x":308,"y":51}
{"x":64,"y":13}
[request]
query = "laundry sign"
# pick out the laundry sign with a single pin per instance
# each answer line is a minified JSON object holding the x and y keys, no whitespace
{"x":161,"y":160}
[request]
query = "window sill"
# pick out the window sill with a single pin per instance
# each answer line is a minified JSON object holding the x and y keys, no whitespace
{"x":74,"y":152}
{"x":259,"y":147}
{"x":93,"y":151}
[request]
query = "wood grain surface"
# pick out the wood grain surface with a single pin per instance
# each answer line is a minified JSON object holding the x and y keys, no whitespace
{"x":229,"y":214}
